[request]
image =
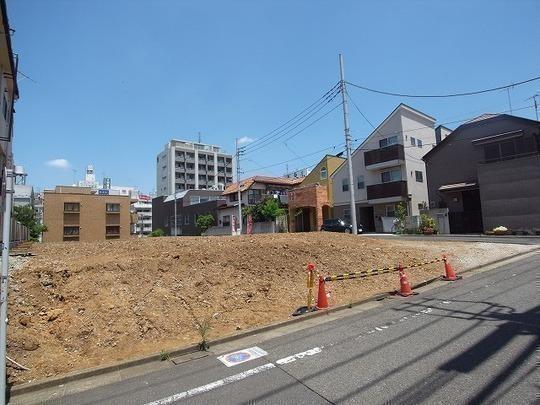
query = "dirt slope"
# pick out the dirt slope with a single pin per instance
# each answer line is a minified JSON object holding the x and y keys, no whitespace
{"x":77,"y":305}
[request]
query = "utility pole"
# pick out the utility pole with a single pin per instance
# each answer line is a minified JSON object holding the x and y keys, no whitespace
{"x":348,"y":143}
{"x":175,"y":217}
{"x":239,"y":220}
{"x":199,"y":136}
{"x":535,"y":104}
{"x":4,"y":282}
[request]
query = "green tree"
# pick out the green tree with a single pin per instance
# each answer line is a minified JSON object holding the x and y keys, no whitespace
{"x":266,"y":210}
{"x":26,"y":215}
{"x":204,"y":222}
{"x":401,"y":213}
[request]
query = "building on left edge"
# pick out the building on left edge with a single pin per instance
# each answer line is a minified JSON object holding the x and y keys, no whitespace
{"x":9,"y":94}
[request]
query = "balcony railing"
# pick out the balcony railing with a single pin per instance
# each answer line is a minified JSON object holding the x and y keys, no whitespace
{"x":390,"y":153}
{"x":386,"y":190}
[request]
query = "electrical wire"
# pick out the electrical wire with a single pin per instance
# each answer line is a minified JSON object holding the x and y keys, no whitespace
{"x":468,"y":93}
{"x":279,"y":135}
{"x":296,"y":117}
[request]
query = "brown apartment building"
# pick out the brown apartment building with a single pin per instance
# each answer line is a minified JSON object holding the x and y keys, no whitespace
{"x":77,"y":214}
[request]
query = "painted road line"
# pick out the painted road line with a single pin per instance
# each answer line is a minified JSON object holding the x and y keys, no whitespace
{"x":241,"y":356}
{"x":301,"y":355}
{"x":213,"y":385}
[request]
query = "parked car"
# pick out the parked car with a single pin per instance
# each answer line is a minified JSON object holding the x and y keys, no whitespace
{"x":338,"y":225}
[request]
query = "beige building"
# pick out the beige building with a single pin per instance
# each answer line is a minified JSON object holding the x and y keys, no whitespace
{"x":77,"y":214}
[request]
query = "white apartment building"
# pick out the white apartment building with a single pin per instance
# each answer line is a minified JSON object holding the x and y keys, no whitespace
{"x":387,"y":169}
{"x":142,"y":209}
{"x":185,"y":165}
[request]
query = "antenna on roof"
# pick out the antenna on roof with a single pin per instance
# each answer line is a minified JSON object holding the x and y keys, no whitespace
{"x":199,"y":136}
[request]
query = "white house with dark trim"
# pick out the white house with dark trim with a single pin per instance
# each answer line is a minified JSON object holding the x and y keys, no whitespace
{"x":388,"y":169}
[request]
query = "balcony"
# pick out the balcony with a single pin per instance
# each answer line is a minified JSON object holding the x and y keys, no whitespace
{"x":393,"y":155}
{"x":387,"y":190}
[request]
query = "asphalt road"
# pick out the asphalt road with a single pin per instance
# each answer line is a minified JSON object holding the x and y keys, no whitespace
{"x":519,"y":240}
{"x":471,"y":341}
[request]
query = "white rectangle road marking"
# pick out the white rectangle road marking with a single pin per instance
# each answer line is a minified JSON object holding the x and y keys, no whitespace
{"x":213,"y":385}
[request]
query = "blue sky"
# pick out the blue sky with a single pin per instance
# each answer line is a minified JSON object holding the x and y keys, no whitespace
{"x":115,"y":80}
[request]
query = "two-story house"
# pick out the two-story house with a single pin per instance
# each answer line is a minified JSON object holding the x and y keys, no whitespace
{"x":253,"y":190}
{"x":388,"y":169}
{"x":487,"y":173}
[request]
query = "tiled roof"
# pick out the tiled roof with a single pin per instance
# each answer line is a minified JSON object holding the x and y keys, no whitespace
{"x":247,"y":183}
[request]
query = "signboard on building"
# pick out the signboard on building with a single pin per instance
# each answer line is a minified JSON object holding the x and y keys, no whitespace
{"x":144,"y":197}
{"x":102,"y":191}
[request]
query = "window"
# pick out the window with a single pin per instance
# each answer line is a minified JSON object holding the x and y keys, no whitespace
{"x":413,"y":141}
{"x":186,"y":219}
{"x":254,"y":196}
{"x":392,"y":175}
{"x":71,"y":230}
{"x":71,"y":207}
{"x":233,"y":197}
{"x":226,"y":220}
{"x":324,"y":173}
{"x":347,"y":214}
{"x":360,"y":182}
{"x":419,"y":176}
{"x":110,"y":207}
{"x":419,"y":143}
{"x":345,"y":184}
{"x":112,"y":230}
{"x":5,"y":108}
{"x":390,"y":210}
{"x":391,"y":140}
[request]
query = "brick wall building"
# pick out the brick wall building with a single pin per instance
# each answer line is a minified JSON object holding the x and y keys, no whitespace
{"x":308,"y":207}
{"x":76,"y":214}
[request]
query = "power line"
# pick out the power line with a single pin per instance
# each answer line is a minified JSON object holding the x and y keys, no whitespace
{"x":297,"y":158}
{"x":468,"y":93}
{"x":297,"y":116}
{"x":277,"y":136}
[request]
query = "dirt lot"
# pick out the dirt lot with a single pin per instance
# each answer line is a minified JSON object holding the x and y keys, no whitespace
{"x":78,"y":305}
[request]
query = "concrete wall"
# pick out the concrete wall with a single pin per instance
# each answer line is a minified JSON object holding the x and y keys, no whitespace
{"x":510,"y":193}
{"x":92,"y":219}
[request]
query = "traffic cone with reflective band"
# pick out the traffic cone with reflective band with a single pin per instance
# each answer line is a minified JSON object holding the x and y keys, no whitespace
{"x":450,"y":274}
{"x":405,"y":286}
{"x":322,"y":298}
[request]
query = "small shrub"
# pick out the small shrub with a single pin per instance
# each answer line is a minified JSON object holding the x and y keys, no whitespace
{"x":204,"y":222}
{"x":427,"y":224}
{"x":164,"y":355}
{"x":157,"y":233}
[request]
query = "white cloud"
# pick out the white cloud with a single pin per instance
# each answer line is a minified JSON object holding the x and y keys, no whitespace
{"x":58,"y":163}
{"x":245,"y":139}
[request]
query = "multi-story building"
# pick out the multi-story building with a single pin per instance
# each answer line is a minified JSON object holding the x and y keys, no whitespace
{"x":185,"y":165}
{"x":77,"y":214}
{"x":387,"y":169}
{"x":142,"y":208}
{"x":486,"y":173}
{"x":189,"y":205}
{"x":9,"y":92}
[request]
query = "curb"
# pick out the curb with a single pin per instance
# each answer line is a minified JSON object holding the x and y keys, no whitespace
{"x":91,"y":372}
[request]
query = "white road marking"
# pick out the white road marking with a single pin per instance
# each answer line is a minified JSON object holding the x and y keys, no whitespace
{"x":300,"y":355}
{"x":213,"y":385}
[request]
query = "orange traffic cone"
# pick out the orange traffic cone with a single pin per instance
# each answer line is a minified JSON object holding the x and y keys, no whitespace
{"x":405,"y":286}
{"x":450,"y":274}
{"x":322,"y":299}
